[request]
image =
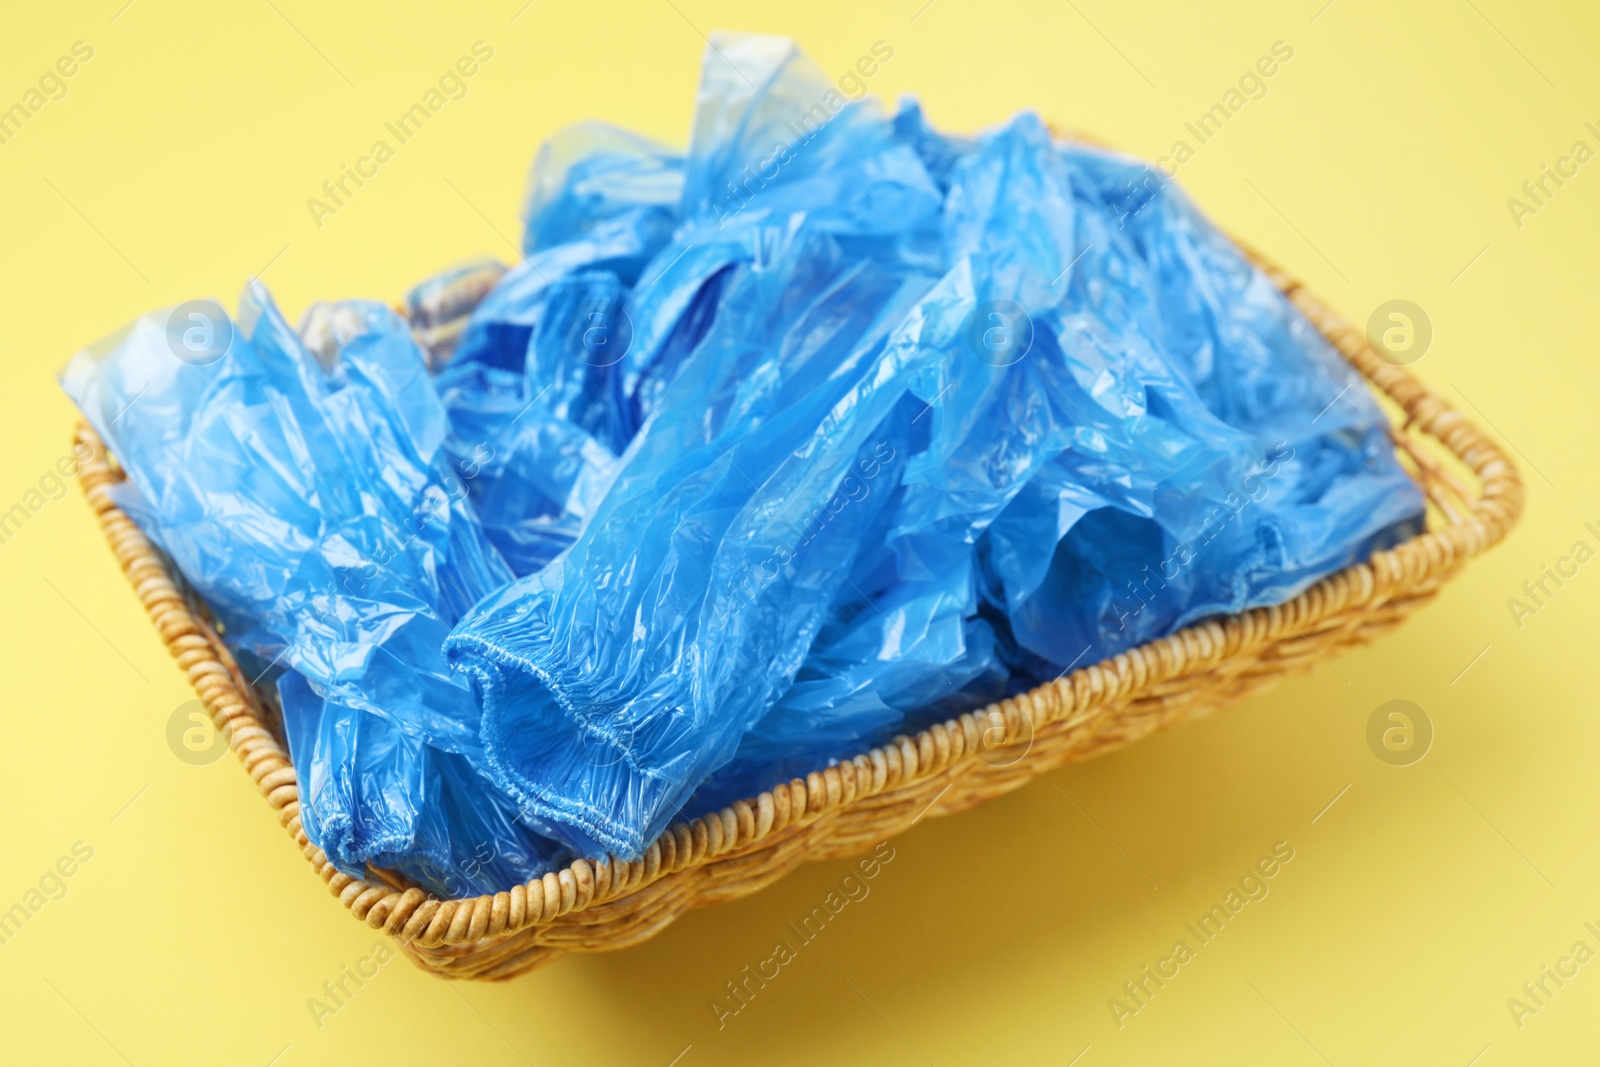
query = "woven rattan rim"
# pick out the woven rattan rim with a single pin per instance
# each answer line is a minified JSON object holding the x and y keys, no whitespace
{"x":1471,"y":522}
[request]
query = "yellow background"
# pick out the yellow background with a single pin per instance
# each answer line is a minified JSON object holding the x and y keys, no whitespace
{"x":1377,"y":167}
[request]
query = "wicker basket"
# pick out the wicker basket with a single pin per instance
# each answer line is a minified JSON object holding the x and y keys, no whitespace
{"x":605,"y":903}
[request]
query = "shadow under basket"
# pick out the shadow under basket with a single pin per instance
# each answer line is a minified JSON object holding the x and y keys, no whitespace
{"x":605,"y":903}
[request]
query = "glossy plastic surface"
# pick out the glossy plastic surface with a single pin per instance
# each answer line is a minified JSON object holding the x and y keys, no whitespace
{"x":828,"y":428}
{"x":895,"y":424}
{"x":305,"y":496}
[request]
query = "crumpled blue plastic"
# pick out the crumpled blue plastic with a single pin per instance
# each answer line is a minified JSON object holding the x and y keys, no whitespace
{"x":904,"y":423}
{"x":828,"y":428}
{"x":307,"y":499}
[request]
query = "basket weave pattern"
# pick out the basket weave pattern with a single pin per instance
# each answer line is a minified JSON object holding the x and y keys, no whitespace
{"x":606,"y":903}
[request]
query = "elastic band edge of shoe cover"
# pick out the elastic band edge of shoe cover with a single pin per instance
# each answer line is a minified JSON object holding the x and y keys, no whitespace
{"x":354,"y":862}
{"x":487,"y":662}
{"x":493,"y":639}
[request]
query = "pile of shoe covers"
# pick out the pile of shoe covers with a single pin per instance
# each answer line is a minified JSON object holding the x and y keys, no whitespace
{"x":830,"y":428}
